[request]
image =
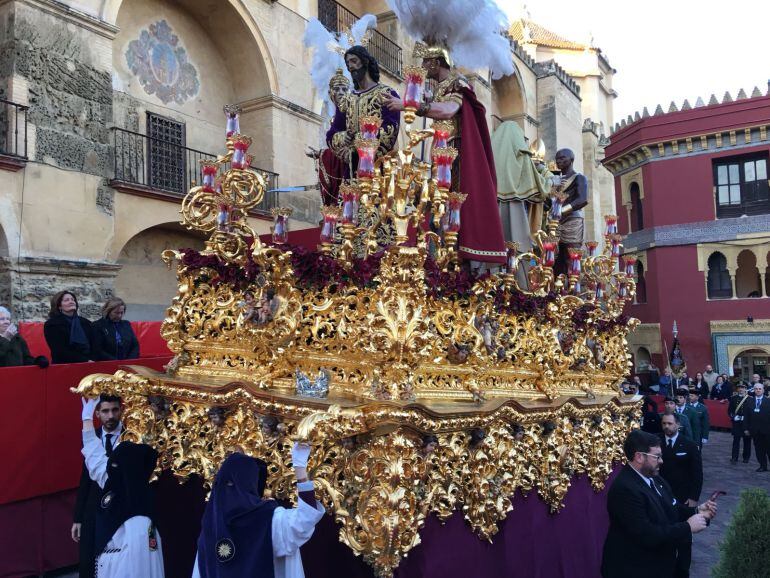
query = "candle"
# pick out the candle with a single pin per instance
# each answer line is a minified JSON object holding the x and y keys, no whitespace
{"x":369,"y":127}
{"x":444,"y":157}
{"x":611,"y":222}
{"x":232,"y":112}
{"x":350,"y":195}
{"x":281,"y":225}
{"x":456,"y":201}
{"x":574,"y":261}
{"x":591,"y":246}
{"x":630,"y":263}
{"x":240,"y":145}
{"x":442,"y":130}
{"x":367,"y":149}
{"x":415,"y":82}
{"x":329,"y":227}
{"x":223,"y":217}
{"x":209,"y":169}
{"x":549,"y":249}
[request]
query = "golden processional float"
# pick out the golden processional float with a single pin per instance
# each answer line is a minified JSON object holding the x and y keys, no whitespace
{"x":422,"y":388}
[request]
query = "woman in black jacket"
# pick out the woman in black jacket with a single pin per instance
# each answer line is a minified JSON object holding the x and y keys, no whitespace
{"x":721,"y":389}
{"x":113,"y":337}
{"x":13,"y":348}
{"x":69,"y":336}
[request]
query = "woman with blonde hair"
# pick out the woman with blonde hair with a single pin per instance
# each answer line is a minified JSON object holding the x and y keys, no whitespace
{"x":113,"y":336}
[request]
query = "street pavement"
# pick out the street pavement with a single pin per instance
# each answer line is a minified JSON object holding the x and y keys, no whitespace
{"x":720,"y":474}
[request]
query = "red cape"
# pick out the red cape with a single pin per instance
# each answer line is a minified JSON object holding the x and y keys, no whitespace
{"x":334,"y":168}
{"x":481,"y":231}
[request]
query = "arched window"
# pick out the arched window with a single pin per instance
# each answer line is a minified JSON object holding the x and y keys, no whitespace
{"x":641,"y":284}
{"x":637,"y":216}
{"x":718,"y":281}
{"x":748,"y":282}
{"x":642,"y":359}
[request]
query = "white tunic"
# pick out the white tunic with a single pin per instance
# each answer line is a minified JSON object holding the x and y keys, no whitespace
{"x":128,"y":553}
{"x":291,"y":528}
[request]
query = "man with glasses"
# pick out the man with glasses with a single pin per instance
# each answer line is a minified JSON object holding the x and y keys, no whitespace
{"x":648,"y":527}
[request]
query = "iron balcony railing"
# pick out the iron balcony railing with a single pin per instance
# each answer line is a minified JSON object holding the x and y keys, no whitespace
{"x":13,"y":129}
{"x":168,"y":167}
{"x":339,"y":19}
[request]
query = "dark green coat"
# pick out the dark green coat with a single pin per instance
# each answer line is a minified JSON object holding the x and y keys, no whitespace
{"x":699,"y":420}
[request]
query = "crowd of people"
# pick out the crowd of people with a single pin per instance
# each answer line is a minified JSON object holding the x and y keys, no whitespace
{"x":71,"y":337}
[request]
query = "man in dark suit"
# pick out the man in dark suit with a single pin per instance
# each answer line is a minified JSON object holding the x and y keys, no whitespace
{"x":740,"y":402}
{"x":647,"y":525}
{"x":757,"y":420}
{"x":109,"y":409}
{"x":682,"y":466}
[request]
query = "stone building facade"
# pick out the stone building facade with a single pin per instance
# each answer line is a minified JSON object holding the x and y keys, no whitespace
{"x":107,"y":106}
{"x":694,"y":205}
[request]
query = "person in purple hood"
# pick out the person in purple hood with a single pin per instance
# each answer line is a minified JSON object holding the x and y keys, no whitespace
{"x":243,"y":534}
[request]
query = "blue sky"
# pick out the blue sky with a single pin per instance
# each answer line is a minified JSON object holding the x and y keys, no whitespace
{"x":666,"y":50}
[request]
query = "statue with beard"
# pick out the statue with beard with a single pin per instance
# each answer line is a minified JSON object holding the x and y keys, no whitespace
{"x":365,"y":100}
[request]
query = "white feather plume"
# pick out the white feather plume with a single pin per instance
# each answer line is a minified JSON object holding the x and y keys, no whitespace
{"x":325,"y":61}
{"x":361,"y":27}
{"x":471,"y":29}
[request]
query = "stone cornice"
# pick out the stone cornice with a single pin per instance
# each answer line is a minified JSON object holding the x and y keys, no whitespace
{"x":71,"y":15}
{"x":740,"y":326}
{"x":719,"y":230}
{"x":697,"y":144}
{"x":275,"y":101}
{"x":56,"y":266}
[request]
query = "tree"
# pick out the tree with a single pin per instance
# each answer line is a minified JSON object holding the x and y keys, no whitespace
{"x":742,"y":553}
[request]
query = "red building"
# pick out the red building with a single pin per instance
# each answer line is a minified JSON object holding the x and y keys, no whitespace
{"x":691,"y":188}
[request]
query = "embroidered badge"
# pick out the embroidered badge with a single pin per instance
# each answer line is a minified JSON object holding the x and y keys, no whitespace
{"x":107,"y":500}
{"x":225,"y":550}
{"x":152,"y":539}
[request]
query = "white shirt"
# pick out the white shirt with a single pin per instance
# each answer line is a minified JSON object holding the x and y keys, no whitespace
{"x":116,"y":433}
{"x":647,"y":480}
{"x":672,"y":438}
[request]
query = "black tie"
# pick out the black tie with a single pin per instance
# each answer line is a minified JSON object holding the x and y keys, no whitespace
{"x":670,"y":446}
{"x":108,"y":444}
{"x":653,"y":488}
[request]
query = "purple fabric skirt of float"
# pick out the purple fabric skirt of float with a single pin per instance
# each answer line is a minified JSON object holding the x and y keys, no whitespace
{"x":531,"y":543}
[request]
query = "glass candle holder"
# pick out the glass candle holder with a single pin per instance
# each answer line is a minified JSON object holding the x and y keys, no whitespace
{"x":443,"y":158}
{"x":232,"y":115}
{"x":575,"y":255}
{"x":367,"y":149}
{"x":350,"y":203}
{"x":281,"y":225}
{"x":329,"y":228}
{"x":415,"y":84}
{"x":223,"y":217}
{"x":615,"y":244}
{"x":630,"y":265}
{"x":241,"y":144}
{"x":591,"y":247}
{"x":369,"y":127}
{"x":442,"y":130}
{"x":549,"y":251}
{"x":622,"y":290}
{"x":512,"y":257}
{"x":611,"y":224}
{"x":599,"y":291}
{"x":209,"y":170}
{"x":455,"y":202}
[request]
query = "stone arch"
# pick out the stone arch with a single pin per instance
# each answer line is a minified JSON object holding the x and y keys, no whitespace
{"x":747,"y":277}
{"x":718,"y":282}
{"x":754,"y":350}
{"x":642,"y":359}
{"x":144,"y":282}
{"x":111,"y":9}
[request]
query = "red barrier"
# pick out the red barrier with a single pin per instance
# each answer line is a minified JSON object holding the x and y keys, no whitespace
{"x":40,"y":426}
{"x":717,"y":411}
{"x":151,"y":344}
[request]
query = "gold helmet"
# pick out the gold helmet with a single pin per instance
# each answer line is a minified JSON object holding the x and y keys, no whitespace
{"x":432,"y":50}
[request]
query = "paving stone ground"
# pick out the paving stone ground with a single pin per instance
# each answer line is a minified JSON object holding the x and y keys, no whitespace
{"x":720,"y":474}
